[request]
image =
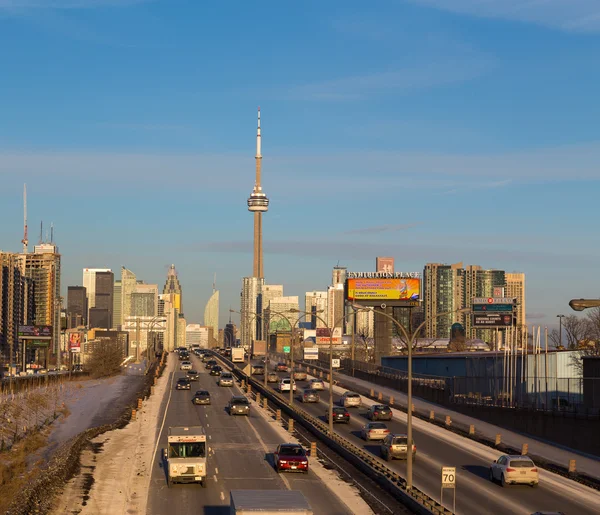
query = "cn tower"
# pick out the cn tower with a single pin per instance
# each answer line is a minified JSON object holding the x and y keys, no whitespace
{"x":258,"y":203}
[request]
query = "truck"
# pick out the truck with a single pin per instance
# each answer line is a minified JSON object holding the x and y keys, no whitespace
{"x":237,"y":354}
{"x":185,"y":455}
{"x":259,"y":348}
{"x":268,"y":502}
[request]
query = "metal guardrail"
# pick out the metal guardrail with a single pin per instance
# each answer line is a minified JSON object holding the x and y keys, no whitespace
{"x":414,"y":499}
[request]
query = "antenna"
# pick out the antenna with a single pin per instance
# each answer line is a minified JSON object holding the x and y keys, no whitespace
{"x":41,"y":231}
{"x":215,"y":283}
{"x":25,"y":240}
{"x":51,"y":232}
{"x":230,"y":314}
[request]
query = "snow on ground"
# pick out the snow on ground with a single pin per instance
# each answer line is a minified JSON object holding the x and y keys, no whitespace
{"x":121,"y":470}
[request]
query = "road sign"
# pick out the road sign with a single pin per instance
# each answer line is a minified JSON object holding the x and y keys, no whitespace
{"x":448,"y":477}
{"x":492,"y":300}
{"x":286,"y":349}
{"x":311,"y":353}
{"x":493,"y":320}
{"x":335,"y":363}
{"x":493,"y":308}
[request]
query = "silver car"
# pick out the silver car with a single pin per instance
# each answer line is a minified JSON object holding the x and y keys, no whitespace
{"x":310,"y":396}
{"x":226,"y":379}
{"x":350,"y":400}
{"x":316,"y":384}
{"x":374,"y":431}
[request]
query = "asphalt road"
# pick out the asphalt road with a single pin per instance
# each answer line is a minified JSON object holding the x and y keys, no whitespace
{"x":239,"y":455}
{"x":475,"y":493}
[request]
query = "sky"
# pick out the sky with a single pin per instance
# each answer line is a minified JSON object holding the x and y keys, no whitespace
{"x":427,"y":130}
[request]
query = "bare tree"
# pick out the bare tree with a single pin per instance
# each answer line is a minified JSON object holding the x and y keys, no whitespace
{"x":575,"y":329}
{"x":366,"y":339}
{"x":589,"y":343}
{"x":105,"y":358}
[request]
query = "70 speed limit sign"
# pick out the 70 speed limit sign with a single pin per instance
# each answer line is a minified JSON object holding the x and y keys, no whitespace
{"x":448,"y":477}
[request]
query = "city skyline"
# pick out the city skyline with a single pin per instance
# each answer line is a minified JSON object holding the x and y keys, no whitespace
{"x":482,"y":139}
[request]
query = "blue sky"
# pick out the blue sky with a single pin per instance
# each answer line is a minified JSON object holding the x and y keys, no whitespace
{"x":428,"y":130}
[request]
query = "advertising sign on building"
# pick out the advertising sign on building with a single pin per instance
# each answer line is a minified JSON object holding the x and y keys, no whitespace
{"x":493,"y":308}
{"x":35,"y":332}
{"x":384,"y":264}
{"x":311,"y":353}
{"x":322,"y":336}
{"x":493,"y":320}
{"x":492,"y":300}
{"x":384,"y":289}
{"x":75,"y":342}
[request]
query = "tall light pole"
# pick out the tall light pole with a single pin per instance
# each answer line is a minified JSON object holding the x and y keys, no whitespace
{"x":560,"y":317}
{"x":581,"y":304}
{"x":409,"y":343}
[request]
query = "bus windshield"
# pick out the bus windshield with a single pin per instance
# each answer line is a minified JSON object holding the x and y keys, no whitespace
{"x":187,"y":450}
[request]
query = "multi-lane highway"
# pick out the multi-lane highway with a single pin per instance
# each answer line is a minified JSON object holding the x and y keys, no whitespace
{"x":475,"y":493}
{"x":239,"y":454}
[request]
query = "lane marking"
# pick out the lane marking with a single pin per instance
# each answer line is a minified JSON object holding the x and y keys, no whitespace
{"x":222,"y":495}
{"x":215,"y":478}
{"x":216,"y":470}
{"x":162,"y":426}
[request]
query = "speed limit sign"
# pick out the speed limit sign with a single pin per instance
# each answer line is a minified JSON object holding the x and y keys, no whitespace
{"x":448,"y":477}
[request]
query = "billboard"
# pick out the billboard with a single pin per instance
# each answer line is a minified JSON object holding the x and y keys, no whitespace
{"x":35,"y":332}
{"x":492,"y":308}
{"x":493,"y":320}
{"x":75,"y":342}
{"x":322,"y":336}
{"x":493,"y":300}
{"x":384,"y":264}
{"x":384,"y":289}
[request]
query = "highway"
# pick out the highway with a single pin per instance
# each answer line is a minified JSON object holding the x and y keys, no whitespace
{"x":239,"y":454}
{"x":475,"y":493}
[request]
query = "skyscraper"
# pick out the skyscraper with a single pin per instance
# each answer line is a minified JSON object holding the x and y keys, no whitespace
{"x":315,"y":302}
{"x":144,"y":300}
{"x":172,"y":286}
{"x":282,"y":314}
{"x":89,"y":283}
{"x":105,"y":283}
{"x":335,"y":306}
{"x":251,"y":289}
{"x":443,"y":291}
{"x":258,"y":203}
{"x":267,"y":293}
{"x":515,"y":288}
{"x":42,"y":267}
{"x":211,"y":312}
{"x":77,"y":309}
{"x":128,"y":284}
{"x":13,"y":305}
{"x":117,"y":318}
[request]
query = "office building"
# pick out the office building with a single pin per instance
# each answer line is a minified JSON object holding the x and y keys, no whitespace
{"x":117,"y":317}
{"x":229,"y":336}
{"x":335,"y":306}
{"x":338,"y":275}
{"x":89,"y":283}
{"x":128,"y":284}
{"x":77,"y":308}
{"x":144,"y":300}
{"x":181,"y":331}
{"x":172,"y":286}
{"x":105,"y":283}
{"x":193,"y":335}
{"x":481,"y":283}
{"x":315,"y":303}
{"x":515,"y":288}
{"x":99,"y":318}
{"x":267,"y":294}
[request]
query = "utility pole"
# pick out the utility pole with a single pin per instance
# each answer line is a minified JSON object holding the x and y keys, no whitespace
{"x":137,"y":339}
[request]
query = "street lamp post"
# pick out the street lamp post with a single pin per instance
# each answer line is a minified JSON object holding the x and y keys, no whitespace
{"x":409,"y":343}
{"x":581,"y":304}
{"x":560,"y":317}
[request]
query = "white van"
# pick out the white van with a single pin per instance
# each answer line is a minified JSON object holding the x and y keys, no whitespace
{"x":284,"y":385}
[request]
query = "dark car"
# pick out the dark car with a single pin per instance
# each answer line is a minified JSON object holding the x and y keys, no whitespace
{"x":193,"y":375}
{"x":216,"y":370}
{"x":210,"y":363}
{"x":379,"y":412}
{"x":339,"y":415}
{"x":206,"y":358}
{"x":183,"y":384}
{"x":272,"y":377}
{"x":281,"y":367}
{"x":201,"y":397}
{"x":258,"y":370}
{"x":291,"y":457}
{"x":310,"y":395}
{"x":238,"y":405}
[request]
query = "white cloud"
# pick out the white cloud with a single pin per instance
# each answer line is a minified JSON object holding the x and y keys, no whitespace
{"x":570,"y":15}
{"x":430,"y":74}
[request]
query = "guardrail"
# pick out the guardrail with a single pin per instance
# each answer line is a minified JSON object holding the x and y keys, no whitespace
{"x":414,"y":499}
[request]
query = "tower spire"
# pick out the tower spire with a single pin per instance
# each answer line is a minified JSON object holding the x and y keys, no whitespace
{"x":25,"y":240}
{"x":215,"y":283}
{"x":258,"y":151}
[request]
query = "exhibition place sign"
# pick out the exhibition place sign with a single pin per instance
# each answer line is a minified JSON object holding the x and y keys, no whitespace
{"x":383,"y":275}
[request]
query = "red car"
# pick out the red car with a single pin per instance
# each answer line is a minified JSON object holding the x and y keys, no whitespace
{"x":291,"y":457}
{"x":281,"y":367}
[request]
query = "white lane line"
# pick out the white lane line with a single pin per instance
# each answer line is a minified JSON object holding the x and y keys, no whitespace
{"x":216,"y":470}
{"x":266,"y":449}
{"x":162,"y":426}
{"x":215,"y":477}
{"x":222,"y":495}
